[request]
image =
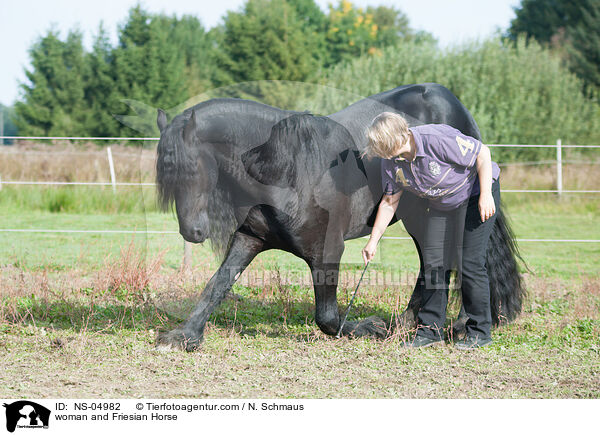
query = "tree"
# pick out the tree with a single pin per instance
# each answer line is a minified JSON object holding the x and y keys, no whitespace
{"x":54,"y":102}
{"x":309,"y":12}
{"x":8,"y":126}
{"x":100,"y":93}
{"x":198,"y":47}
{"x":584,"y":47}
{"x":517,"y":93}
{"x":267,"y":41}
{"x":159,"y":60}
{"x":353,"y":32}
{"x":544,"y":19}
{"x":569,"y":27}
{"x":392,"y":25}
{"x":147,"y":65}
{"x":314,"y":23}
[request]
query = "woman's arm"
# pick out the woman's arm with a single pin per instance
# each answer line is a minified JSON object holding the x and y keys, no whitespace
{"x":385,"y":213}
{"x":487,"y":207}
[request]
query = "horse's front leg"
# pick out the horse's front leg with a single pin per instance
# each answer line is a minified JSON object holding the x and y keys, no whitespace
{"x":190,"y":334}
{"x":328,"y":318}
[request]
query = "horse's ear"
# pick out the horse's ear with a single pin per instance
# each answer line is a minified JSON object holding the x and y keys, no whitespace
{"x":190,"y":128}
{"x":161,"y":120}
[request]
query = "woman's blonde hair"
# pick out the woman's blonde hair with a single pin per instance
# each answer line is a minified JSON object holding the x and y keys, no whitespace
{"x":387,"y":132}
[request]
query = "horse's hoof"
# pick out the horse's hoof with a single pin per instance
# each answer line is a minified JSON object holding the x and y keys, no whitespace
{"x":371,"y":326}
{"x":459,"y":328}
{"x":407,"y":320}
{"x":178,"y":339}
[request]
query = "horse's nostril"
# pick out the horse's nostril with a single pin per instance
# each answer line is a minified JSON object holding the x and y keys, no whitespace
{"x":198,"y":234}
{"x":193,"y":234}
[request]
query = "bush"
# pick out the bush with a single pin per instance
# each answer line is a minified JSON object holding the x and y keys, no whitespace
{"x":518,"y":94}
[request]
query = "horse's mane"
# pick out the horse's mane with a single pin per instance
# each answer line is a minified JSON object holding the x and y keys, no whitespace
{"x":300,"y":145}
{"x":219,"y":121}
{"x":173,"y":163}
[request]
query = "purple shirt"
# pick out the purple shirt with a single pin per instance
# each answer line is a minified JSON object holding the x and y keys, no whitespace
{"x":443,"y":169}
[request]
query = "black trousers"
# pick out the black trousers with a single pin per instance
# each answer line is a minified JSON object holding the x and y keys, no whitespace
{"x":447,"y":241}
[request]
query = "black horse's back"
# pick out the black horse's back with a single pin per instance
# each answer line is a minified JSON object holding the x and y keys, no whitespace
{"x":431,"y":103}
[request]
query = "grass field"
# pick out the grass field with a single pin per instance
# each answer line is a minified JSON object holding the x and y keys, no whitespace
{"x":86,"y":308}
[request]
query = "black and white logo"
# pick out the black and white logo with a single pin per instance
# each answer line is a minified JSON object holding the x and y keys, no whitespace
{"x":434,"y":168}
{"x":24,"y":414}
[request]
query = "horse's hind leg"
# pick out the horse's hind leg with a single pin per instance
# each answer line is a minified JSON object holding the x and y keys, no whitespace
{"x":190,"y":334}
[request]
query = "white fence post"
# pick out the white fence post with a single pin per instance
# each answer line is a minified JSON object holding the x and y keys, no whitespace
{"x":559,"y":178}
{"x":112,"y":170}
{"x":0,"y":182}
{"x":187,"y":255}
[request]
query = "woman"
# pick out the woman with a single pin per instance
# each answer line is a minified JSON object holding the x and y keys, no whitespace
{"x":455,"y":173}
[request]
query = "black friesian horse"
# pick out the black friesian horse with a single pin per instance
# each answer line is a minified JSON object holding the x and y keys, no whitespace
{"x":251,"y":177}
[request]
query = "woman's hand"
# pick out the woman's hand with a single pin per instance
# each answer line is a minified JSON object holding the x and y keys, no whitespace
{"x":368,"y":251}
{"x":487,"y":207}
{"x":385,"y":213}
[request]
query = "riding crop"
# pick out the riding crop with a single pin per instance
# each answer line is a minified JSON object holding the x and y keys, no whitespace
{"x":339,"y":334}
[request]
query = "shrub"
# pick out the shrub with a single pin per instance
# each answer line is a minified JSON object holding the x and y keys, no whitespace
{"x":518,"y":94}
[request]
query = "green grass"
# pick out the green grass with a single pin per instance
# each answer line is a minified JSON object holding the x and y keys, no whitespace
{"x":78,"y":199}
{"x":60,"y":310}
{"x":546,"y":218}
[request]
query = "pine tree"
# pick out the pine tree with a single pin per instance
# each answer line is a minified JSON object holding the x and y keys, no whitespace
{"x":132,"y":67}
{"x":544,"y":19}
{"x":8,"y":126}
{"x":100,"y":89}
{"x":54,"y":101}
{"x":148,"y":66}
{"x":198,"y":49}
{"x":267,"y":41}
{"x":584,"y":47}
{"x":569,"y":27}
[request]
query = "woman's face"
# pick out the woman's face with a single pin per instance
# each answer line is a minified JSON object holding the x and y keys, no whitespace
{"x":400,"y":149}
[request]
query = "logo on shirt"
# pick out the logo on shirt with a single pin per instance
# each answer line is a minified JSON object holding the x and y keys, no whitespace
{"x":434,"y":168}
{"x":400,"y":178}
{"x":435,"y":192}
{"x":464,"y":145}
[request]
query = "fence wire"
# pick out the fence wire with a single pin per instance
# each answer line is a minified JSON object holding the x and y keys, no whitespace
{"x":114,"y":184}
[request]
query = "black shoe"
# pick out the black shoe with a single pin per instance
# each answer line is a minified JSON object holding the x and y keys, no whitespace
{"x":470,"y":343}
{"x":420,"y":341}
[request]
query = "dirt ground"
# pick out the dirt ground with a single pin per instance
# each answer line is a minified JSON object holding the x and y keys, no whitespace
{"x":265,"y":345}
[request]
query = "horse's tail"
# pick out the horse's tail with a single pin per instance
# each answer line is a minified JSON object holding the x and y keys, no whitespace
{"x":507,"y":288}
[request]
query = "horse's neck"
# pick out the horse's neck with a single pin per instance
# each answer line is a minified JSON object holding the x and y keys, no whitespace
{"x":236,"y":126}
{"x":233,"y":127}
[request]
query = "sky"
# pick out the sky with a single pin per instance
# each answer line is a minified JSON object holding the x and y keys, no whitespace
{"x":22,"y":22}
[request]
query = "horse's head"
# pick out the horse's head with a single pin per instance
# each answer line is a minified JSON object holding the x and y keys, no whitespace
{"x":186,"y":175}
